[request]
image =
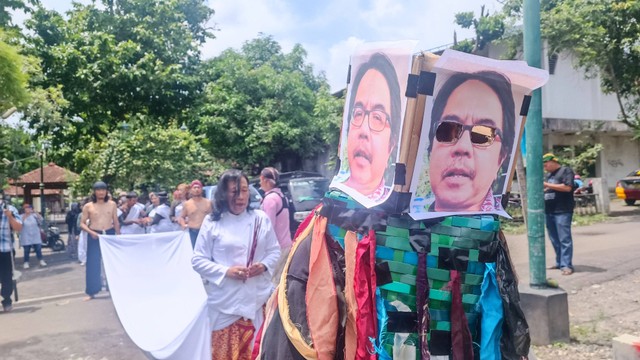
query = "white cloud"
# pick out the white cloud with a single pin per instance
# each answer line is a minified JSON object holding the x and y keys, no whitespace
{"x":331,"y":30}
{"x":242,"y":20}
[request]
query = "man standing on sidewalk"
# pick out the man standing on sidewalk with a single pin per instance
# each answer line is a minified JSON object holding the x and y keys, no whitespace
{"x":194,"y":211}
{"x":102,"y":214}
{"x":9,"y":220}
{"x":558,"y":207}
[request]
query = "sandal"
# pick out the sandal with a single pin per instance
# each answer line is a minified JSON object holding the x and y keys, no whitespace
{"x":567,"y":271}
{"x":554,"y":267}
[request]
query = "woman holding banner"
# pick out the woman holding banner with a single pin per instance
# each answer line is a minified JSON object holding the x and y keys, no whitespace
{"x":235,"y":253}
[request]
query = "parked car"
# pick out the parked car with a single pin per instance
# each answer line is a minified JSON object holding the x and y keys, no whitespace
{"x":255,"y":199}
{"x":628,"y":188}
{"x":304,"y":191}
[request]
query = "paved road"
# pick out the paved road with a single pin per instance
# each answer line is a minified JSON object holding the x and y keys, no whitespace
{"x":52,"y":322}
{"x":602,"y":252}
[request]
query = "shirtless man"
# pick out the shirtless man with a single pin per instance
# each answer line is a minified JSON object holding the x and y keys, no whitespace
{"x":194,"y":211}
{"x":102,"y":214}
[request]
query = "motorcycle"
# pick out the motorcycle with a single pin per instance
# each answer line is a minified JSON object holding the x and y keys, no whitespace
{"x":52,"y":239}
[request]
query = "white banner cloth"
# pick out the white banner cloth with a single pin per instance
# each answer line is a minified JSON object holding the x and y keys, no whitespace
{"x":159,"y":298}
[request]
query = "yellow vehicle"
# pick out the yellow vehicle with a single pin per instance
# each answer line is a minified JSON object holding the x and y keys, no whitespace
{"x":628,"y":188}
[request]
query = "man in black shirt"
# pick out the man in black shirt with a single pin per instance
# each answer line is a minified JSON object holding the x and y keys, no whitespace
{"x":558,"y":207}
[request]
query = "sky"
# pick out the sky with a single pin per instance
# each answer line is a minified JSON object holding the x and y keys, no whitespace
{"x":330,"y":30}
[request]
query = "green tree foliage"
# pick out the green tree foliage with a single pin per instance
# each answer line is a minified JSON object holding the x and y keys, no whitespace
{"x":582,"y":157}
{"x":16,"y":156}
{"x":117,"y":61}
{"x":487,"y":27}
{"x":7,"y":6}
{"x":263,"y":107}
{"x":603,"y":35}
{"x":13,"y":77}
{"x":154,"y":157}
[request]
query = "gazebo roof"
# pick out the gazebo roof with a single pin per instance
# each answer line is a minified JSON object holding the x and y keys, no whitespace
{"x":53,"y":174}
{"x":18,"y":191}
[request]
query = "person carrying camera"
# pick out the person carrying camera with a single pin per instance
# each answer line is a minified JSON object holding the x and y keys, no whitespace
{"x":9,"y":220}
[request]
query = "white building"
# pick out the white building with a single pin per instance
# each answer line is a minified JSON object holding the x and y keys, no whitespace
{"x":575,"y":111}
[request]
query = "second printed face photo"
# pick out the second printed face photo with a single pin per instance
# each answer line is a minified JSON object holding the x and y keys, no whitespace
{"x":372,"y":122}
{"x":470,"y":129}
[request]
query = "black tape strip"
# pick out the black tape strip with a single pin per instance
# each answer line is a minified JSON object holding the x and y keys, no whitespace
{"x":360,"y":220}
{"x":505,"y":200}
{"x":440,"y":342}
{"x":397,"y":203}
{"x":337,"y":169}
{"x":488,"y":251}
{"x":383,"y":274}
{"x":453,"y":259}
{"x":349,"y":75}
{"x":526,"y":101}
{"x":402,"y":322}
{"x":420,"y":240}
{"x":401,"y":174}
{"x":412,"y":86}
{"x":426,"y":83}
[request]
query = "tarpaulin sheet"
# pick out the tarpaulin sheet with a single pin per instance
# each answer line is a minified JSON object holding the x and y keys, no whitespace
{"x":158,"y":297}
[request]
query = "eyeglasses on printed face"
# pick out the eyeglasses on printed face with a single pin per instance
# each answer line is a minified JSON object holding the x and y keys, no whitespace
{"x":449,"y":132}
{"x":378,"y":119}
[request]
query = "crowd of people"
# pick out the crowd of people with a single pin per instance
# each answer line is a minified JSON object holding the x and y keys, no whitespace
{"x":238,"y":251}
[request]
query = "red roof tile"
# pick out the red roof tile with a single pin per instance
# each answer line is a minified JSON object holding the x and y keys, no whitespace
{"x":52,"y":174}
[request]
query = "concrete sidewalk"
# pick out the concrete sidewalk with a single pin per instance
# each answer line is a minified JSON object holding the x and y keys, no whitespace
{"x":602,"y":252}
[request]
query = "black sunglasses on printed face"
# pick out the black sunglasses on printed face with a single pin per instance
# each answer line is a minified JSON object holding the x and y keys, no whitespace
{"x":449,"y":132}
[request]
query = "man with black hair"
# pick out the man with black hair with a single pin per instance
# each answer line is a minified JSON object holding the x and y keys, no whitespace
{"x":9,"y":220}
{"x":132,"y":215}
{"x":558,"y":208}
{"x":276,"y":206}
{"x":471,"y":137}
{"x":194,"y":211}
{"x":102,"y":214}
{"x":373,"y":127}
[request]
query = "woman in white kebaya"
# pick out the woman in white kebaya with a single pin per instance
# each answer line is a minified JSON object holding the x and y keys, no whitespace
{"x":235,"y":253}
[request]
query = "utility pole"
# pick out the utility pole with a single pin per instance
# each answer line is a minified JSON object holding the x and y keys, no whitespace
{"x":533,"y":129}
{"x":43,"y":208}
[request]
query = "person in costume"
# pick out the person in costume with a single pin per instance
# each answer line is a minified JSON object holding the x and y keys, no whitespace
{"x":472,"y":131}
{"x":374,"y":123}
{"x":235,"y":253}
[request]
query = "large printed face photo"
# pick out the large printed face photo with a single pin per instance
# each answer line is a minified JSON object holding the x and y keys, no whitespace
{"x":372,"y":122}
{"x":472,"y":131}
{"x":468,"y":141}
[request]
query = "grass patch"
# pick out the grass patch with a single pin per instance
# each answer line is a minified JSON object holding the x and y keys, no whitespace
{"x":516,"y":226}
{"x":584,"y":220}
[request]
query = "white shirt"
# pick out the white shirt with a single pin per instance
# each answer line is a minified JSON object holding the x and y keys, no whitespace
{"x":164,"y":225}
{"x":134,"y":214}
{"x":226,"y":243}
